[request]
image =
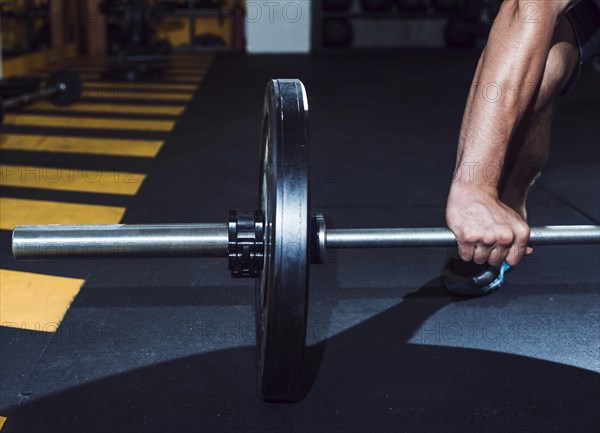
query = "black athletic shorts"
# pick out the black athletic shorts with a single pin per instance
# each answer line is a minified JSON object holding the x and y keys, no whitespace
{"x":585,"y":20}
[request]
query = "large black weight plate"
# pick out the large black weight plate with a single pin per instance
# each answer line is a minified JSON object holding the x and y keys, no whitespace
{"x":282,"y":287}
{"x":69,"y":87}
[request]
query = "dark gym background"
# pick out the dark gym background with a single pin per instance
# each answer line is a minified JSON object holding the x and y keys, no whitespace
{"x":168,"y":345}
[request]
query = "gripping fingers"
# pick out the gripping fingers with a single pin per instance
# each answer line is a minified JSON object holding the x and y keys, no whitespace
{"x":514,"y":256}
{"x":519,"y":248}
{"x":504,"y":240}
{"x":466,"y":251}
{"x":498,"y":255}
{"x":482,"y":253}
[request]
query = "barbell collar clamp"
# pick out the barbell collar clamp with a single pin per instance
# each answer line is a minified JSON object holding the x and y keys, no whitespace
{"x":246,"y":243}
{"x":318,"y":245}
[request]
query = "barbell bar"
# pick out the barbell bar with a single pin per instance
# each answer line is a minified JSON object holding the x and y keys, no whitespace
{"x":26,"y":98}
{"x":211,"y":240}
{"x":275,"y":243}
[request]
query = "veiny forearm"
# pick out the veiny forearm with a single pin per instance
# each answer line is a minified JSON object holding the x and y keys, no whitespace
{"x":506,"y":80}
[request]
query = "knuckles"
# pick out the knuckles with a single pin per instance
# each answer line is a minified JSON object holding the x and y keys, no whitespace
{"x":491,"y":241}
{"x":522,"y":233}
{"x":505,"y":238}
{"x":468,"y":236}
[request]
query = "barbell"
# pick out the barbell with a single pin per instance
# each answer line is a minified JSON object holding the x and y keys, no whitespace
{"x":63,"y":87}
{"x":275,"y":243}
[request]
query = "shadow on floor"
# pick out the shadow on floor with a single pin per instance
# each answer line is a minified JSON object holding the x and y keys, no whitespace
{"x":366,"y":378}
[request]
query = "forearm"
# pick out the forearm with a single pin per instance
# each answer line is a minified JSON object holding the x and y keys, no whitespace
{"x":507,"y":78}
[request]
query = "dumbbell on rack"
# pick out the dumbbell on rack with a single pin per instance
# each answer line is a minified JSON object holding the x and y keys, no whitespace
{"x":275,"y":243}
{"x":63,"y":87}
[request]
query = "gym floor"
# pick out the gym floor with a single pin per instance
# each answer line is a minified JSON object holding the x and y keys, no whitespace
{"x":168,"y":345}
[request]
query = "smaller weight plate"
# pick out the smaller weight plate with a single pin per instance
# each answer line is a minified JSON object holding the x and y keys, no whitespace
{"x":69,"y":86}
{"x":282,"y":287}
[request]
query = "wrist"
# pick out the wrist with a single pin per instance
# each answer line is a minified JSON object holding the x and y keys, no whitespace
{"x":470,"y":187}
{"x":474,"y":177}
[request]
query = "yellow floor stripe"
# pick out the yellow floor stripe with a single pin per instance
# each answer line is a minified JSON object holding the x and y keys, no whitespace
{"x":110,"y":108}
{"x":173,"y":58}
{"x":195,"y":72}
{"x":99,"y":69}
{"x":34,"y":301}
{"x":192,"y":70}
{"x":191,"y":66}
{"x":102,"y":68}
{"x":2,"y":421}
{"x":98,"y":146}
{"x":105,"y":61}
{"x":167,"y":80}
{"x":119,"y":95}
{"x":190,"y":78}
{"x":203,"y":69}
{"x":15,"y":212}
{"x":87,"y":122}
{"x":86,"y":76}
{"x":92,"y":85}
{"x":66,"y":179}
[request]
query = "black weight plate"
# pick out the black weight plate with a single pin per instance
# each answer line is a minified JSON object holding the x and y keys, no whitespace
{"x":69,"y":87}
{"x":282,"y":287}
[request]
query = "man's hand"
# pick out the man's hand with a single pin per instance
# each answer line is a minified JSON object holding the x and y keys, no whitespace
{"x":486,"y":229}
